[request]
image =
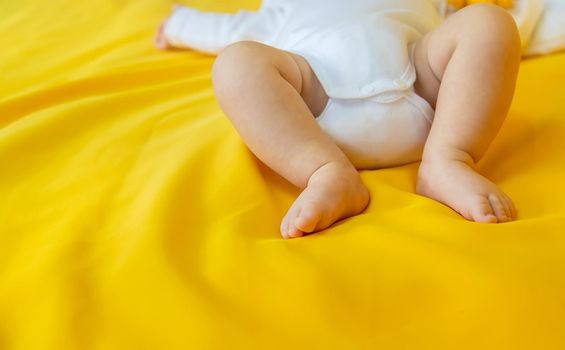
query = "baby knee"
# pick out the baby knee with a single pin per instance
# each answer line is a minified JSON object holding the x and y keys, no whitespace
{"x":230,"y":62}
{"x":494,"y":25}
{"x":235,"y":64}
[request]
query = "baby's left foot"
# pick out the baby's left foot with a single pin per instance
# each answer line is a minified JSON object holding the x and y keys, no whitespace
{"x":459,"y":186}
{"x":334,"y":192}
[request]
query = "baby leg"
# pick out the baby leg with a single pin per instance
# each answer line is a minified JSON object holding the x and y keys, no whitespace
{"x":467,"y":69}
{"x":271,"y":97}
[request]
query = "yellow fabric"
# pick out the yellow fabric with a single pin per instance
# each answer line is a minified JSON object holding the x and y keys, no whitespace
{"x":132,"y":216}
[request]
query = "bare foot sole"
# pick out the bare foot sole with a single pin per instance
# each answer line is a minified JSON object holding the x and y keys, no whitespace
{"x":457,"y":185}
{"x":335,"y":191}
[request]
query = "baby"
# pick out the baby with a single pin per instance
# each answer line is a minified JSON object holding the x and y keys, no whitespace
{"x":319,"y":89}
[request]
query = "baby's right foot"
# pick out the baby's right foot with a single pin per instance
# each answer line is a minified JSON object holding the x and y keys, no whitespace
{"x":335,"y":191}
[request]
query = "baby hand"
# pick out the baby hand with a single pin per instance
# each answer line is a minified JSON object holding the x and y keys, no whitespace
{"x":160,"y":39}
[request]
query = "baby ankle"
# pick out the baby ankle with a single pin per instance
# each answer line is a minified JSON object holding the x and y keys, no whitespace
{"x":449,"y":154}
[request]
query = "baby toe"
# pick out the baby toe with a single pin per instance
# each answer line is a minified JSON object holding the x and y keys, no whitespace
{"x":307,"y":220}
{"x":499,"y":207}
{"x":511,"y":207}
{"x":293,"y":231}
{"x":482,"y":211}
{"x":287,"y":221}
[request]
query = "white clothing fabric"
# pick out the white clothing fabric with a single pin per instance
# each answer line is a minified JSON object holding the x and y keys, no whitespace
{"x":375,"y":134}
{"x":385,"y":130}
{"x":549,"y":34}
{"x":359,"y":50}
{"x":527,"y":14}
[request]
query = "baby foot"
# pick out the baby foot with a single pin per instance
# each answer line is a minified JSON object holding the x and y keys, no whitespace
{"x":335,"y":191}
{"x":457,"y":185}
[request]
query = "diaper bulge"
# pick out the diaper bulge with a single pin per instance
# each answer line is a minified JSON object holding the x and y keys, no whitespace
{"x":376,"y":133}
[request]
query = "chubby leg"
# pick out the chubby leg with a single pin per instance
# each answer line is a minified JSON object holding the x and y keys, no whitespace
{"x":271,"y":97}
{"x":467,"y":69}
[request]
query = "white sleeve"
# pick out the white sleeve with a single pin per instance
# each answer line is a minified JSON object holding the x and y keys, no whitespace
{"x":549,"y":36}
{"x":210,"y":32}
{"x":527,"y":14}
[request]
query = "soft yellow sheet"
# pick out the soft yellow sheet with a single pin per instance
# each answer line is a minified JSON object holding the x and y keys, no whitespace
{"x":132,"y":216}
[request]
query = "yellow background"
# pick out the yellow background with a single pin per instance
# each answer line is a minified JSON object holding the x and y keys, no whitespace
{"x":132,"y":216}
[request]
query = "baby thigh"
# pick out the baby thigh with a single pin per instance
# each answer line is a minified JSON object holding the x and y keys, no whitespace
{"x":467,"y":70}
{"x":248,"y":59}
{"x":271,"y":97}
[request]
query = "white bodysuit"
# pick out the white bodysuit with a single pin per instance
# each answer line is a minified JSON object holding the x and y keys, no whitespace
{"x":360,"y":50}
